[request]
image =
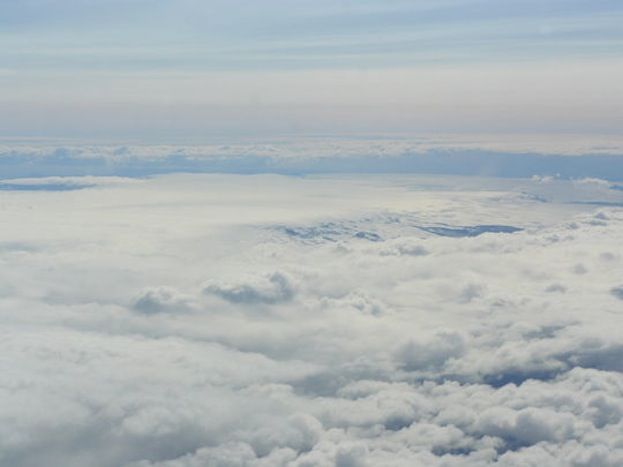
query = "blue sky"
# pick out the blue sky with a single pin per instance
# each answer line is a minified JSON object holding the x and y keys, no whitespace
{"x":152,"y":69}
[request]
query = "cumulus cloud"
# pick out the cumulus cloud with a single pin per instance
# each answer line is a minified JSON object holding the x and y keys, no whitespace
{"x":433,"y":353}
{"x":162,"y":299}
{"x":174,"y":323}
{"x":268,"y":289}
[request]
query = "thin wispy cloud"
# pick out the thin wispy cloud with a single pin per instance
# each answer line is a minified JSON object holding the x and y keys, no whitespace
{"x":106,"y":69}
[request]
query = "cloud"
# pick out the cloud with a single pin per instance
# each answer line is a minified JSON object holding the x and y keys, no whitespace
{"x":162,"y":299}
{"x":61,"y":183}
{"x":545,"y":159}
{"x":169,"y":323}
{"x":407,"y":247}
{"x":432,"y":353}
{"x":271,"y":288}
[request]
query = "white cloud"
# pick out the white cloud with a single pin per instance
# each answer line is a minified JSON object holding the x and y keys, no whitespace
{"x":172,"y":323}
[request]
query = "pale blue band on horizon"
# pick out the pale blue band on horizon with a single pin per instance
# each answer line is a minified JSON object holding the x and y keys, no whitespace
{"x":447,"y":162}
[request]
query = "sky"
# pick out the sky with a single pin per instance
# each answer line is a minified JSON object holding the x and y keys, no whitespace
{"x":158,"y":70}
{"x":270,"y":233}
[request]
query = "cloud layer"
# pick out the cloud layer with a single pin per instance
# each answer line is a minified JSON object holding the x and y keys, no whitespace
{"x":594,"y":158}
{"x":176,"y":322}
